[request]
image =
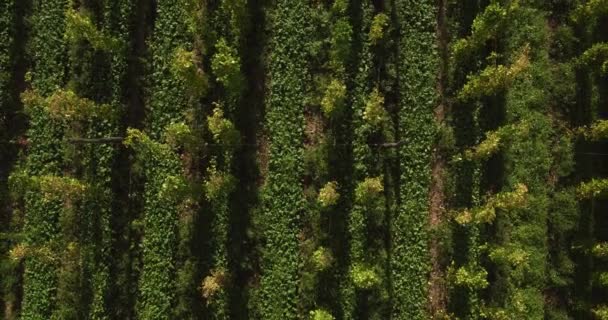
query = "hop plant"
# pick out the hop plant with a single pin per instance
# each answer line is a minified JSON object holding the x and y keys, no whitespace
{"x":53,"y":187}
{"x":174,"y":188}
{"x":185,"y":66}
{"x":212,"y":284}
{"x":328,"y":195}
{"x":486,"y":148}
{"x":379,"y":24}
{"x":222,"y":129}
{"x":601,"y":312}
{"x":374,"y":113}
{"x":18,"y":252}
{"x":487,"y":213}
{"x":341,"y":37}
{"x":364,"y":277}
{"x":80,"y":27}
{"x":178,"y":134}
{"x":493,"y":79}
{"x":334,"y":98}
{"x":369,"y":190}
{"x":593,"y":188}
{"x":321,"y":314}
{"x":218,"y":183}
{"x":226,"y":66}
{"x":474,"y":279}
{"x":597,"y":131}
{"x":340,"y":6}
{"x":322,"y":259}
{"x":600,"y":250}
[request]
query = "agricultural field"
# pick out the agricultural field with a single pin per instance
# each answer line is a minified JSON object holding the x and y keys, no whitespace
{"x":303,"y":159}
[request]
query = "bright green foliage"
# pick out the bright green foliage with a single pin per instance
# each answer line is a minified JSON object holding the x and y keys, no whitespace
{"x":180,"y":135}
{"x":471,"y":277}
{"x":484,"y":150}
{"x":374,"y":113}
{"x":369,"y":190}
{"x":417,"y":70}
{"x":222,"y":129}
{"x":493,"y":79}
{"x":593,"y":188}
{"x":487,"y":213}
{"x":218,"y":184}
{"x":44,"y":157}
{"x":496,"y":140}
{"x":186,"y":67}
{"x":328,"y":195}
{"x":341,"y":36}
{"x":602,"y":279}
{"x":589,"y":11}
{"x":321,"y":314}
{"x":339,"y":7}
{"x":79,"y":27}
{"x":600,"y":250}
{"x":596,"y":132}
{"x":322,"y":259}
{"x":601,"y":312}
{"x":596,"y":57}
{"x":228,"y":24}
{"x":334,"y":98}
{"x":226,"y":66}
{"x":65,"y":105}
{"x":519,"y":250}
{"x":487,"y":26}
{"x":164,"y":192}
{"x":378,"y":28}
{"x":364,"y":277}
{"x":167,"y":280}
{"x":282,"y":194}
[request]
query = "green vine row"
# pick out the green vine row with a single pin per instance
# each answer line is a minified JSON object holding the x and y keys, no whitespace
{"x":282,"y":195}
{"x":418,"y":69}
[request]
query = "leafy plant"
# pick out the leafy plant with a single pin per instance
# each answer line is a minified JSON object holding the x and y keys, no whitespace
{"x":186,"y":66}
{"x":374,"y":113}
{"x":334,"y":98}
{"x":364,"y":277}
{"x":226,"y":66}
{"x":222,"y":129}
{"x":328,"y":195}
{"x":79,"y":27}
{"x":378,"y":27}
{"x":320,"y":314}
{"x":493,"y":79}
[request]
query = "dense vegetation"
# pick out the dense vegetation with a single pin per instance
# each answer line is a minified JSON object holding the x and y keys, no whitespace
{"x":291,"y":159}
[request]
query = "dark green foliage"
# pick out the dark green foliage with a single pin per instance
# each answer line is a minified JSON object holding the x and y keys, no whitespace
{"x":521,"y":234}
{"x":162,"y":198}
{"x":418,"y":70}
{"x":364,"y":286}
{"x":282,"y":195}
{"x":171,"y":102}
{"x":8,"y":274}
{"x":44,"y":157}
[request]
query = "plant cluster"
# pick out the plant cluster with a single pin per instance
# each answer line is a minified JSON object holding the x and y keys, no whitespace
{"x":417,"y":71}
{"x":288,"y":71}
